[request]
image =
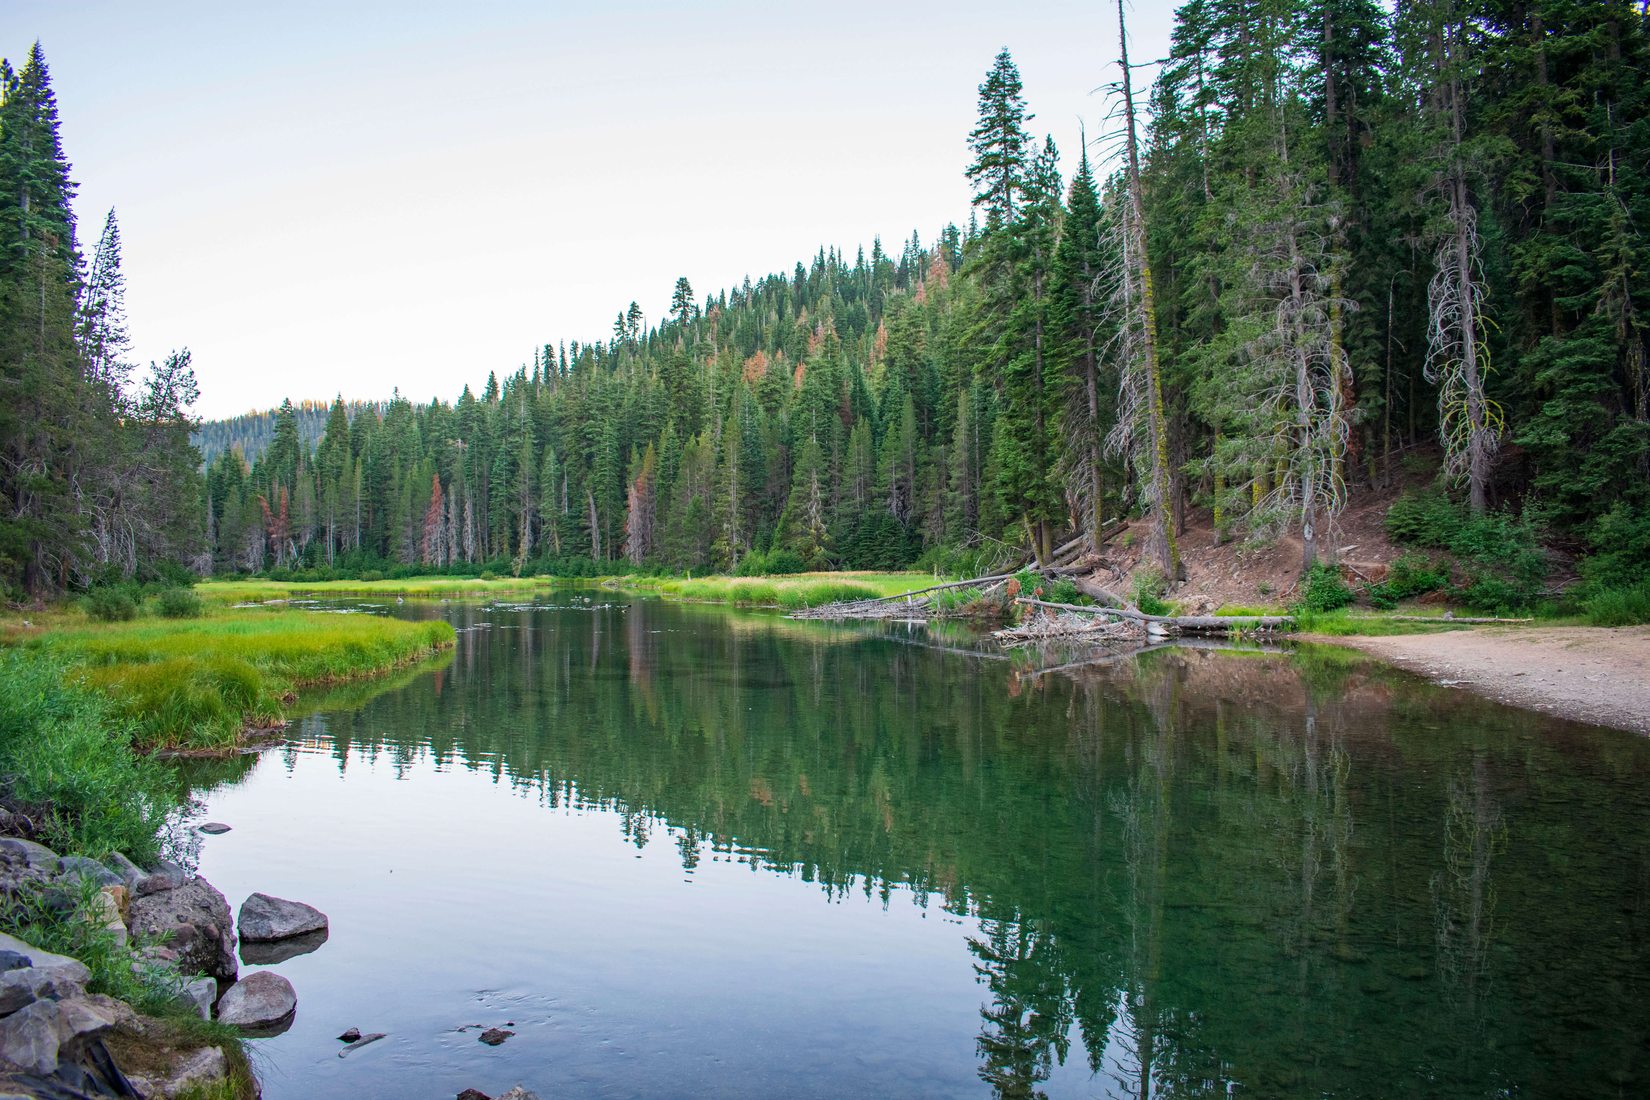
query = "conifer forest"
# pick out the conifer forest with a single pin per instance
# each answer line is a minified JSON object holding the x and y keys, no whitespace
{"x":1326,"y":235}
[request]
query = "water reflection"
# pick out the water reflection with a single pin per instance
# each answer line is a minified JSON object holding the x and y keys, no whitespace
{"x":1184,"y":873}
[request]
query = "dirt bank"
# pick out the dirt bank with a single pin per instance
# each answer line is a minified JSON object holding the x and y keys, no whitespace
{"x":1584,"y":673}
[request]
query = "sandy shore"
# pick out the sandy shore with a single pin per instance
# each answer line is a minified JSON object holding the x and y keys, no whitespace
{"x":1588,"y":674}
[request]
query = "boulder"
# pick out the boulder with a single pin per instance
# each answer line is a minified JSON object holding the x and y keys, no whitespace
{"x":22,"y":987}
{"x":473,"y":1094}
{"x":38,"y":856}
{"x":79,"y":867}
{"x":67,"y":969}
{"x":264,"y":918}
{"x":214,"y":828}
{"x":193,"y":1069}
{"x":165,"y":876}
{"x":36,"y":1037}
{"x":260,"y":1002}
{"x":12,"y":960}
{"x":193,"y":920}
{"x":130,"y":873}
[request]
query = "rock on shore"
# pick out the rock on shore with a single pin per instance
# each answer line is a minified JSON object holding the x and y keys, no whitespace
{"x":260,"y":1002}
{"x":264,"y":919}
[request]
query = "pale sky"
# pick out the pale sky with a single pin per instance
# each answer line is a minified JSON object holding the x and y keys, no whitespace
{"x":350,"y":197}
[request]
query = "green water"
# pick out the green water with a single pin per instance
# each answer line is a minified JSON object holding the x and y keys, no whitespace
{"x":692,"y":852}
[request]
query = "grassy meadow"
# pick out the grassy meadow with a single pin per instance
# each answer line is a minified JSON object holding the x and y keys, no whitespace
{"x":196,"y":684}
{"x":791,"y":592}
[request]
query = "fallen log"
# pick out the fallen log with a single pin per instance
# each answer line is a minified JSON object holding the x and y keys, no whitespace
{"x":1182,"y":622}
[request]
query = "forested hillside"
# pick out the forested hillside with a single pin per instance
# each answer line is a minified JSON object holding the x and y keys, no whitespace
{"x":252,"y":432}
{"x":1325,"y":235}
{"x":97,"y":477}
{"x":1342,"y":234}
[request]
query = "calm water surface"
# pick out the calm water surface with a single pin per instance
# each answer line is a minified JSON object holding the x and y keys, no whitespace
{"x":688,"y":852}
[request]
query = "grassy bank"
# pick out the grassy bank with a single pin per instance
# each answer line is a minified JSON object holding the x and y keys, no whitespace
{"x":195,"y":684}
{"x":791,"y":592}
{"x":428,"y":588}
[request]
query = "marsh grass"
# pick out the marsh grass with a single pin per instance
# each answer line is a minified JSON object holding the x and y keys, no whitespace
{"x":253,"y":591}
{"x":791,"y":592}
{"x":195,"y":684}
{"x":1343,"y":623}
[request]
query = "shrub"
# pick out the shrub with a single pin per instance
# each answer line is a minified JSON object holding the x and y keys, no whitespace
{"x":1423,"y":519}
{"x":114,"y":604}
{"x":1410,"y":576}
{"x":1621,"y":549}
{"x":372,"y":575}
{"x":1148,"y":592}
{"x":1065,"y":590}
{"x":1325,"y":589}
{"x":65,"y":753}
{"x":1627,"y":605}
{"x":1497,"y":552}
{"x":488,"y":575}
{"x":179,"y":603}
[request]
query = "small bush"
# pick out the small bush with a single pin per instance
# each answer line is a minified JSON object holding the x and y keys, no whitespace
{"x":488,"y":575}
{"x":1409,"y":576}
{"x":372,"y":575}
{"x":1065,"y":590}
{"x":1423,"y":519}
{"x":1148,"y":592}
{"x":111,"y":605}
{"x":179,"y":603}
{"x":1325,"y":589}
{"x":1628,"y":605}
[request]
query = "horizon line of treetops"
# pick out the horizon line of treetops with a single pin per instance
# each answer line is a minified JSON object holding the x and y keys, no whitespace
{"x":1345,"y":232}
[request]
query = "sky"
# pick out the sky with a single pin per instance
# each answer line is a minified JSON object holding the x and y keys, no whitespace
{"x":350,"y":198}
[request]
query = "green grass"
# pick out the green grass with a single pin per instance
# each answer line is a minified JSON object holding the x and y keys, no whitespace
{"x":66,"y":762}
{"x":414,"y":587}
{"x":1235,"y":610}
{"x":1344,"y":623}
{"x":1623,"y":606}
{"x":791,"y":592}
{"x":195,"y":684}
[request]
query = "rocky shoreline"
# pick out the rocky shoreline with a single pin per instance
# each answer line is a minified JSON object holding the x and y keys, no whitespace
{"x":58,"y":1040}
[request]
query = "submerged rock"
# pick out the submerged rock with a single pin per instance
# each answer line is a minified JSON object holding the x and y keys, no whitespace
{"x":493,"y":1036}
{"x":473,"y":1094}
{"x":262,"y":1002}
{"x":214,"y":828}
{"x":519,"y":1093}
{"x":264,"y":918}
{"x":350,"y":1035}
{"x":193,"y":920}
{"x":359,"y":1043}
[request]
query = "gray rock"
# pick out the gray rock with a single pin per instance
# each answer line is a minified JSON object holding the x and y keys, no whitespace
{"x":165,"y":876}
{"x":214,"y":828}
{"x":519,"y":1093}
{"x":467,"y":1094}
{"x":130,"y":873}
{"x":264,"y":918}
{"x":493,"y":1036}
{"x":258,"y":1002}
{"x":38,"y":856}
{"x":79,"y":867}
{"x":191,"y":919}
{"x":191,"y":1070}
{"x":279,"y":951}
{"x":350,"y":1035}
{"x":72,"y":970}
{"x":19,"y":988}
{"x":29,"y":1037}
{"x":201,"y":992}
{"x":36,"y":1037}
{"x":12,"y":960}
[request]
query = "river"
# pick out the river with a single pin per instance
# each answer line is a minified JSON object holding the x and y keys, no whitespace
{"x":684,"y":851}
